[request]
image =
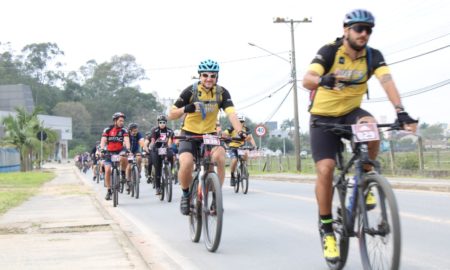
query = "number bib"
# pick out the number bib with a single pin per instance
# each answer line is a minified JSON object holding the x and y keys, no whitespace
{"x":162,"y":151}
{"x":211,"y":140}
{"x":365,"y":132}
{"x":115,"y":158}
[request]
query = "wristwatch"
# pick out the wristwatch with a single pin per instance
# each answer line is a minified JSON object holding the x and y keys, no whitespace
{"x":399,"y":107}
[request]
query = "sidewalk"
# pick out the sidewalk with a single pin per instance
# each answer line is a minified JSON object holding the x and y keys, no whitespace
{"x":63,"y":227}
{"x":442,"y":185}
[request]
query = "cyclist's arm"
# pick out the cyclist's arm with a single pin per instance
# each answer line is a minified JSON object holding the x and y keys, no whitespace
{"x":177,"y":109}
{"x":250,"y":138}
{"x":103,"y":143}
{"x":322,"y":61}
{"x":126,"y":142}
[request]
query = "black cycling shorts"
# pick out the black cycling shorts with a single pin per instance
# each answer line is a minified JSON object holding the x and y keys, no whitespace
{"x":326,"y":144}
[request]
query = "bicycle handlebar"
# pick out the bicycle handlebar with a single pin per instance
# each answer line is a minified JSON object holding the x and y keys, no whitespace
{"x":200,"y":138}
{"x":347,"y":128}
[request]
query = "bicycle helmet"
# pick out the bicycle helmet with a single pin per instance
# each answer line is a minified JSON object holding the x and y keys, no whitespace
{"x":208,"y":66}
{"x":162,"y":117}
{"x":359,"y":16}
{"x":118,"y":115}
{"x":132,"y":126}
{"x":241,"y":118}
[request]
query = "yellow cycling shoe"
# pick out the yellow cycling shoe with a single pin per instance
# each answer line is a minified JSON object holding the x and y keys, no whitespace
{"x":330,"y":250}
{"x":371,"y":200}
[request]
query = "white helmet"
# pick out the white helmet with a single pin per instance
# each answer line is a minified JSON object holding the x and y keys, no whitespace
{"x":241,"y":118}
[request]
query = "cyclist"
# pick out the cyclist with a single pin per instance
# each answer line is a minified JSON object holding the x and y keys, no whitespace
{"x":136,"y":142}
{"x":95,"y":159}
{"x":234,"y":145}
{"x":201,"y":103}
{"x":147,"y":151}
{"x":161,"y":137}
{"x":337,"y":78}
{"x":115,"y":140}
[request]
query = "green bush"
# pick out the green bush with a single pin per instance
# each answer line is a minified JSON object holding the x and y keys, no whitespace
{"x":408,"y":162}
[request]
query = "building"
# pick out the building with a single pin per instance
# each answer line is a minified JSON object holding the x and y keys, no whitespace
{"x":271,"y":125}
{"x":19,"y":95}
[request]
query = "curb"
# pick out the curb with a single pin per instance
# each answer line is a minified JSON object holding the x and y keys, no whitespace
{"x":396,"y":184}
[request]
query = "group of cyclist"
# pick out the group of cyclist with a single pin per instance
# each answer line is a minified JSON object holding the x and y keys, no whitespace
{"x":337,"y":79}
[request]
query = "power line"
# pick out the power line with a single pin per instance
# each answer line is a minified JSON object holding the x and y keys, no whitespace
{"x":279,"y":106}
{"x":412,"y":93}
{"x":418,"y":44}
{"x":419,"y":55}
{"x":269,"y":96}
{"x":263,"y":92}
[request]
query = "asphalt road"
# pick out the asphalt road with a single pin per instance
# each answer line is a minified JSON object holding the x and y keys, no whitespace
{"x":274,"y":226}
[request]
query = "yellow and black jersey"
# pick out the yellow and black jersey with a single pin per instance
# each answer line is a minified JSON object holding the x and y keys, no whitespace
{"x":233,"y":133}
{"x":332,"y":58}
{"x":194,"y":122}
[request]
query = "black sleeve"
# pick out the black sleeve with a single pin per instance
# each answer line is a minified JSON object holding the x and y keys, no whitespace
{"x":171,"y":133}
{"x":184,"y":98}
{"x":226,"y":99}
{"x":153,"y":135}
{"x":325,"y":56}
{"x":377,"y":59}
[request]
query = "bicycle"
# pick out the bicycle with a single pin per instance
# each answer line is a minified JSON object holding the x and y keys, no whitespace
{"x":205,"y":200}
{"x":115,"y":177}
{"x":377,"y":223}
{"x":166,"y":175}
{"x":242,"y":174}
{"x":135,"y":176}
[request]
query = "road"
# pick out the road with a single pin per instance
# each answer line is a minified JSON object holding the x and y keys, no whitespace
{"x":274,"y":226}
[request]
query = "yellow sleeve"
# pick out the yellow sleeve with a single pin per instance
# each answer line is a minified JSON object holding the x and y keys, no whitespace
{"x":318,"y":68}
{"x":383,"y":70}
{"x":230,"y":110}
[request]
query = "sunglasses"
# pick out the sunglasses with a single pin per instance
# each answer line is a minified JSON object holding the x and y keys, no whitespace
{"x":359,"y":28}
{"x":162,"y":122}
{"x":212,"y":76}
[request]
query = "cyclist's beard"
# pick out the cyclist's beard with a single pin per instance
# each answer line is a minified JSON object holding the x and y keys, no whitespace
{"x":355,"y":46}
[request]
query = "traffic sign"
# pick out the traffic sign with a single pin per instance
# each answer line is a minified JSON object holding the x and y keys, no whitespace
{"x":260,"y":130}
{"x":41,"y":135}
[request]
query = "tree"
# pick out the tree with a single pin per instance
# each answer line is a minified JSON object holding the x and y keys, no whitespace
{"x":21,"y":130}
{"x":81,"y":118}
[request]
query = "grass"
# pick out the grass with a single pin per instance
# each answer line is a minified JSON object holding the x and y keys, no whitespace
{"x":17,"y":187}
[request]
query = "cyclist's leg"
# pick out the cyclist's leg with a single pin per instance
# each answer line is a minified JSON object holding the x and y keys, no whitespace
{"x":218,"y":156}
{"x":186,"y":160}
{"x":157,"y":162}
{"x":107,"y":164}
{"x":324,"y":147}
{"x":123,"y":166}
{"x":150,"y":165}
{"x":233,"y":164}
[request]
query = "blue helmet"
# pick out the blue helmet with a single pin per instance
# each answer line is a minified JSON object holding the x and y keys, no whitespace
{"x":208,"y":66}
{"x":359,"y":16}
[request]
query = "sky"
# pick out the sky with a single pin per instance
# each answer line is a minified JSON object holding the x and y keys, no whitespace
{"x":170,"y":38}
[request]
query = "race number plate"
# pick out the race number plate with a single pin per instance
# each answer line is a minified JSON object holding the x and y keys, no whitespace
{"x":115,"y":158}
{"x":211,"y":140}
{"x":241,"y":152}
{"x":162,"y":151}
{"x":366,"y":132}
{"x":130,"y":158}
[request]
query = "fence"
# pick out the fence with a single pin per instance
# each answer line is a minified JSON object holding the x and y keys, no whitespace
{"x":9,"y":160}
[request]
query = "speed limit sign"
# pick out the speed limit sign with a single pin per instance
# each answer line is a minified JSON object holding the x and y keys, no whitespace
{"x":260,"y":130}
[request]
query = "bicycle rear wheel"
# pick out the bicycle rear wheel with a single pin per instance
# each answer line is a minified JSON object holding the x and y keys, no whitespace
{"x":137,"y":181}
{"x":380,"y":242}
{"x":195,"y":217}
{"x":244,"y":179}
{"x":115,"y":186}
{"x":340,"y":218}
{"x":97,"y":172}
{"x":212,"y":212}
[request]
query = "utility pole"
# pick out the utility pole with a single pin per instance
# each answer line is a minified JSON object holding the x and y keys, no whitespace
{"x":294,"y":86}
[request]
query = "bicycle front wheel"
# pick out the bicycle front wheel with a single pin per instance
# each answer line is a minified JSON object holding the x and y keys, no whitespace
{"x":238,"y":179}
{"x":137,"y":174}
{"x":115,"y":186}
{"x":380,"y":239}
{"x":195,"y":216}
{"x":212,"y":213}
{"x":162,"y":185}
{"x":168,"y":184}
{"x":244,"y":179}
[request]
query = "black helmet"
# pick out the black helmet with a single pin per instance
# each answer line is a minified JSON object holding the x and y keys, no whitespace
{"x":132,"y":126}
{"x":118,"y":115}
{"x":162,"y":117}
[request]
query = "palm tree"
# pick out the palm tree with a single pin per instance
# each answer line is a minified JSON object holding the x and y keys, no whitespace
{"x":20,"y":132}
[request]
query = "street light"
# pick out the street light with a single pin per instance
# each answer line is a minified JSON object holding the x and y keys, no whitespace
{"x":294,"y":82}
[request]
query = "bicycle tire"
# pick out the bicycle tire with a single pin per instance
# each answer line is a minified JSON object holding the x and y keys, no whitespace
{"x":168,"y":185}
{"x":384,"y":226}
{"x":154,"y":178}
{"x":132,"y":182}
{"x":97,"y":172}
{"x":244,"y":179}
{"x":238,"y":180}
{"x":212,"y":217}
{"x":162,"y":185}
{"x":195,"y":216}
{"x":114,"y":185}
{"x":137,"y":182}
